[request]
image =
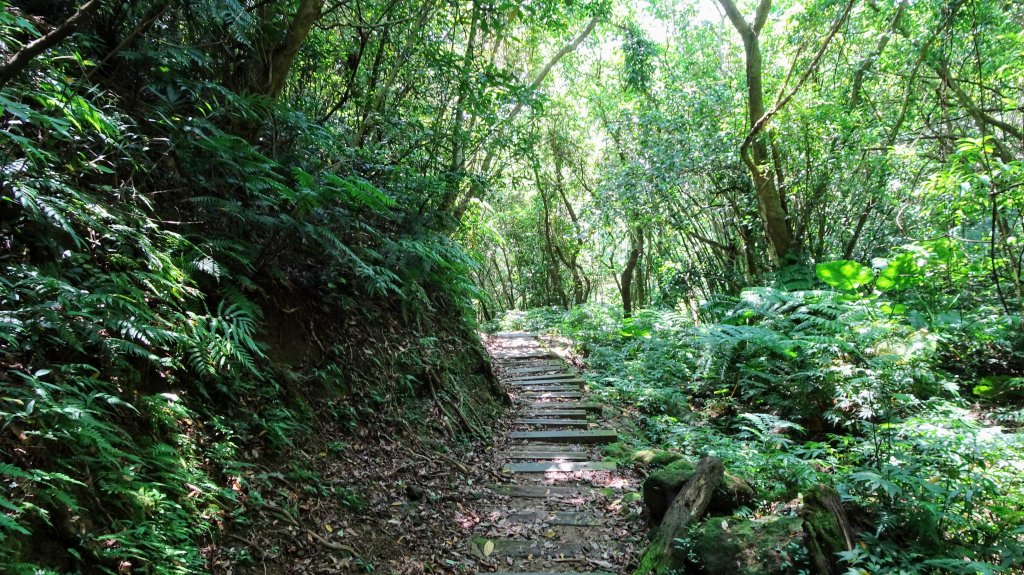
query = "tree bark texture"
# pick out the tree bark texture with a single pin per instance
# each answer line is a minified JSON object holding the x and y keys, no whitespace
{"x":769,"y":201}
{"x":689,"y":506}
{"x":284,"y":56}
{"x":636,"y":249}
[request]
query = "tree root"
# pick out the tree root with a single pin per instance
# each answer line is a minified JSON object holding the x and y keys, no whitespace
{"x":281,"y":512}
{"x":332,"y":545}
{"x":431,"y":378}
{"x":458,"y":464}
{"x":466,"y":424}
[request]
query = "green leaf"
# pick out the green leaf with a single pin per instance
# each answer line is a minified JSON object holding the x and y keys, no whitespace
{"x":844,"y":274}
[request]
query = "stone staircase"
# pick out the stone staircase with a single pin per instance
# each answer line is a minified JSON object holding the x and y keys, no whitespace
{"x":557,"y":497}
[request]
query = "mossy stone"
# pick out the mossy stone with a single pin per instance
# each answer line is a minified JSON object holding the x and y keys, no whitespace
{"x":771,"y":546}
{"x":656,"y":457}
{"x":618,"y":452}
{"x":734,"y":493}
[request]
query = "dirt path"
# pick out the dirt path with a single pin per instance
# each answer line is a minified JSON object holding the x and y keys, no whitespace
{"x":558,"y":508}
{"x":398,"y":504}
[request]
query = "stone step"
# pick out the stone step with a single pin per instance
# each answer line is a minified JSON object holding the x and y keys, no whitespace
{"x":515,"y":334}
{"x":566,"y":413}
{"x":546,"y":491}
{"x":537,"y":549}
{"x":545,"y":573}
{"x":588,"y":406}
{"x":552,"y":395}
{"x":538,"y":388}
{"x":557,"y":466}
{"x":526,"y":355}
{"x":545,"y":454}
{"x":536,"y":369}
{"x":546,"y":376}
{"x":588,"y":436}
{"x":546,"y":446}
{"x":546,"y":422}
{"x":568,"y":518}
{"x":528,"y":384}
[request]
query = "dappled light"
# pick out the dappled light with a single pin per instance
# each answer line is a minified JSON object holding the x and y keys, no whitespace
{"x":594,"y":287}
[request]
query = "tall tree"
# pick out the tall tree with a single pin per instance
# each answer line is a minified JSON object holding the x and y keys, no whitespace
{"x":770,"y":202}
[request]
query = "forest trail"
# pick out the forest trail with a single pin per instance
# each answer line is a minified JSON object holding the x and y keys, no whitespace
{"x":560,"y":509}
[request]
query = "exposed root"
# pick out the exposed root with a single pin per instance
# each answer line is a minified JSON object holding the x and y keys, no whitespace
{"x":458,"y":464}
{"x":280,"y":512}
{"x":331,"y":544}
{"x":440,"y":406}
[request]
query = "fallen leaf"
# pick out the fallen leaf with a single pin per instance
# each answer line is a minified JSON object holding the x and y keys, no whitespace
{"x":488,"y":548}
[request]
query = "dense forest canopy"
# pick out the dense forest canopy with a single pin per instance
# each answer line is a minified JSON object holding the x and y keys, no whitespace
{"x":743,"y":147}
{"x":225,"y":224}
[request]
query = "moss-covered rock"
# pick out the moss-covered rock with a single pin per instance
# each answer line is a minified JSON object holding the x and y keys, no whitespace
{"x":618,"y":452}
{"x":734,"y":493}
{"x":771,"y":546}
{"x":656,"y":457}
{"x":662,"y":486}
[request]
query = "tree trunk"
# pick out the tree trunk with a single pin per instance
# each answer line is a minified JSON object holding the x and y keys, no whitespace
{"x":454,"y":178}
{"x":691,"y":503}
{"x":769,"y":201}
{"x":498,"y":128}
{"x":636,"y":249}
{"x":276,"y":73}
{"x":377,"y":103}
{"x":148,"y":20}
{"x":580,"y":285}
{"x":828,"y":530}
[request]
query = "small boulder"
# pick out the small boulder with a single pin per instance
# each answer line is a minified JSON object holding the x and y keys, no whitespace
{"x":662,"y":486}
{"x":734,"y":493}
{"x":656,"y":457}
{"x":618,"y":452}
{"x":769,"y":546}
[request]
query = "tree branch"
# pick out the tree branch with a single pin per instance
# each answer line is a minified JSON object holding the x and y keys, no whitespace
{"x":16,"y":63}
{"x":737,"y":19}
{"x":761,"y":16}
{"x":570,"y":47}
{"x":762,"y":123}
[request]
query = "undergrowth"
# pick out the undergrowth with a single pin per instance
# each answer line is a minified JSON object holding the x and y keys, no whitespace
{"x":148,"y":228}
{"x":849,"y":388}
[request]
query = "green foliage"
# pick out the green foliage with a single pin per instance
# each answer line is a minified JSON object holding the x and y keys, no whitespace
{"x":844,"y":274}
{"x":156,"y":214}
{"x":793,"y":389}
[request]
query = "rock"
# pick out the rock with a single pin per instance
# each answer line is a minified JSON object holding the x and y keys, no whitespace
{"x":414,"y":492}
{"x":617,"y":451}
{"x":734,"y":493}
{"x":661,"y":487}
{"x":656,"y":457}
{"x":827,"y":528}
{"x":770,"y":546}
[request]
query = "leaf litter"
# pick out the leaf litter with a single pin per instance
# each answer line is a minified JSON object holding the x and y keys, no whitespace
{"x":388,"y":505}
